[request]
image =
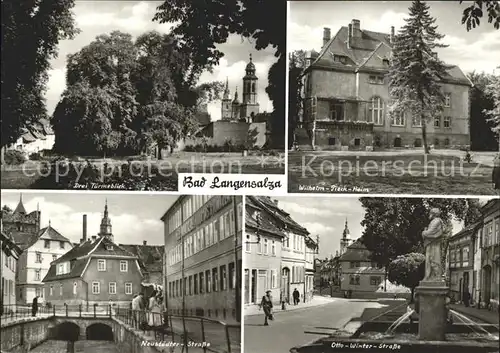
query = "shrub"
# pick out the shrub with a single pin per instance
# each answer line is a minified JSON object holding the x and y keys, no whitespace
{"x":14,"y":157}
{"x":36,"y":156}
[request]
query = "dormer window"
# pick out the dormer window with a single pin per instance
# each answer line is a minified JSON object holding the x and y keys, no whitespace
{"x":109,"y":247}
{"x":340,"y":58}
{"x":386,"y":62}
{"x":376,"y":79}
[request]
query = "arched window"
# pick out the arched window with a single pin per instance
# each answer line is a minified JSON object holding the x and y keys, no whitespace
{"x":376,"y":114}
{"x":253,"y":87}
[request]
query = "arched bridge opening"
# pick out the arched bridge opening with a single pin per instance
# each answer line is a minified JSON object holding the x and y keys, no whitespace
{"x":66,"y":331}
{"x":99,"y":332}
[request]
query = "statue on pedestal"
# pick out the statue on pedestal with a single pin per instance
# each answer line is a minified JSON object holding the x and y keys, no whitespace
{"x":433,"y":243}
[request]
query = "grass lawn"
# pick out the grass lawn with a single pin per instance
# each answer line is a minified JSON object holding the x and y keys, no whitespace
{"x":25,"y":176}
{"x":324,"y":172}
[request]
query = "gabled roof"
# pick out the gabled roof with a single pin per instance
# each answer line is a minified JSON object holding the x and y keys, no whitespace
{"x":267,"y":204}
{"x":52,"y":234}
{"x":23,"y":239}
{"x":80,"y":256}
{"x":357,"y":251}
{"x":364,"y":51}
{"x":267,"y":224}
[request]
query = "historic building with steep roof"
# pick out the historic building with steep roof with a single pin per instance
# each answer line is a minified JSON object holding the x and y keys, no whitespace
{"x":35,"y":138}
{"x":96,"y":271}
{"x":346,"y":96}
{"x":40,"y":246}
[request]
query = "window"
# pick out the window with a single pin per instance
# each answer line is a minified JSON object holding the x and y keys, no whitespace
{"x":208,"y":278}
{"x":437,"y":121}
{"x":38,"y":257}
{"x":101,"y":265}
{"x":375,"y":280}
{"x":376,"y":79}
{"x":38,"y":291}
{"x":124,"y":266}
{"x":96,"y":288}
{"x":332,"y":141}
{"x":54,"y":257}
{"x":215,"y":280}
{"x":239,"y":216}
{"x":37,"y":275}
{"x":447,"y":99}
{"x":201,"y":282}
{"x":61,"y":245}
{"x":273,"y":248}
{"x":376,"y":111}
{"x":265,"y":247}
{"x":190,"y":284}
{"x":446,"y":141}
{"x":273,"y":278}
{"x":112,"y":287}
{"x":336,"y":111}
{"x":75,"y":286}
{"x":447,"y":122}
{"x":259,"y":247}
{"x":195,"y":284}
{"x":357,"y":142}
{"x":128,"y":288}
{"x":417,"y":121}
{"x":340,"y":58}
{"x":223,"y":278}
{"x":51,"y":290}
{"x":61,"y":290}
{"x":109,"y":247}
{"x":46,"y":244}
{"x":232,"y":275}
{"x":398,"y":119}
{"x":465,"y":254}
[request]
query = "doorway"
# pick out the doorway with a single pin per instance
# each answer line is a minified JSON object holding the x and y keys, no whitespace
{"x":397,"y":142}
{"x":285,"y":284}
{"x":487,"y":284}
{"x":253,"y":286}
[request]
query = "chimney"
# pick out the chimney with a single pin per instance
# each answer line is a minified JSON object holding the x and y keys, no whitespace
{"x":144,"y":242}
{"x":326,"y":35}
{"x":276,"y":202}
{"x":84,"y":229}
{"x":391,"y":39}
{"x":356,"y":29}
{"x":349,"y":35}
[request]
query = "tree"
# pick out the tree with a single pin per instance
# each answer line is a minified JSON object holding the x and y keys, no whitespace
{"x":493,"y":89}
{"x":407,"y":270}
{"x":295,"y":70}
{"x":472,"y":14}
{"x":393,"y":226}
{"x":201,"y":25}
{"x":415,"y":69}
{"x":482,"y":136}
{"x":31,"y":31}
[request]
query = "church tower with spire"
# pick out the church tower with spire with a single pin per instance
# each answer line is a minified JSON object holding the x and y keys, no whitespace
{"x":226,"y":110}
{"x":105,"y":230}
{"x":235,"y":115}
{"x":346,"y":239}
{"x":249,"y":104}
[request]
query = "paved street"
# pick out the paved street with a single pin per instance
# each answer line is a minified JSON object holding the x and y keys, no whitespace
{"x":298,"y":327}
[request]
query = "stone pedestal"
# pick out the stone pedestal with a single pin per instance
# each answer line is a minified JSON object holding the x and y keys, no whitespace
{"x":432,"y":322}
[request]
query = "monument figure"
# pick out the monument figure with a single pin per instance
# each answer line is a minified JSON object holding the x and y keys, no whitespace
{"x":433,"y":242}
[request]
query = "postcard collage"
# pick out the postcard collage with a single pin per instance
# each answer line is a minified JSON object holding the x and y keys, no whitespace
{"x":243,"y":176}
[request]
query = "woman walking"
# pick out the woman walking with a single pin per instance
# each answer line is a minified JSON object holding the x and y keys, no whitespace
{"x":267,"y":305}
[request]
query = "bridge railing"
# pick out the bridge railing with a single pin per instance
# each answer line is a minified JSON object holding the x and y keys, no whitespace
{"x":18,"y":311}
{"x":209,"y":334}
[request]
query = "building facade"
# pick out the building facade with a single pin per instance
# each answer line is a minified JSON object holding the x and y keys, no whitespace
{"x":358,"y":272}
{"x":263,"y":251}
{"x":203,"y":254}
{"x":490,"y":254}
{"x":461,"y":262}
{"x":9,"y":257}
{"x":279,"y":254}
{"x":96,"y":271}
{"x":346,"y":97}
{"x":36,"y":138}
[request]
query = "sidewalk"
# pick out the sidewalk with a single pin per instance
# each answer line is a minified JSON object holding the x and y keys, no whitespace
{"x":484,"y":315}
{"x":317,"y":300}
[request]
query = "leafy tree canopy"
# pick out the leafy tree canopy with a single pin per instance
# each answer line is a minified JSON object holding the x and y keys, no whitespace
{"x":472,"y":15}
{"x":407,"y":270}
{"x":31,"y":31}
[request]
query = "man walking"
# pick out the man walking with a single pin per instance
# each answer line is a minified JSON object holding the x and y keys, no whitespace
{"x":296,"y":296}
{"x":267,"y":306}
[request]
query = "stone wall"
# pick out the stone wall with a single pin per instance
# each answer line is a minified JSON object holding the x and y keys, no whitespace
{"x":28,"y":331}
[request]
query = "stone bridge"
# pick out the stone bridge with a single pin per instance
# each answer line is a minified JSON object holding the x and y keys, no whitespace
{"x":81,"y":328}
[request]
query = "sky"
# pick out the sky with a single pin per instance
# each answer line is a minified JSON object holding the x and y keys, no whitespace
{"x":135,"y":17}
{"x":477,"y":50}
{"x":134,"y":217}
{"x":326,"y":217}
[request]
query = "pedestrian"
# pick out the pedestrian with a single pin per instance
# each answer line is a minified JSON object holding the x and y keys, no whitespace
{"x":466,"y":297}
{"x":34,"y":306}
{"x":154,"y":315}
{"x":267,"y":305}
{"x":296,"y":296}
{"x":137,"y":308}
